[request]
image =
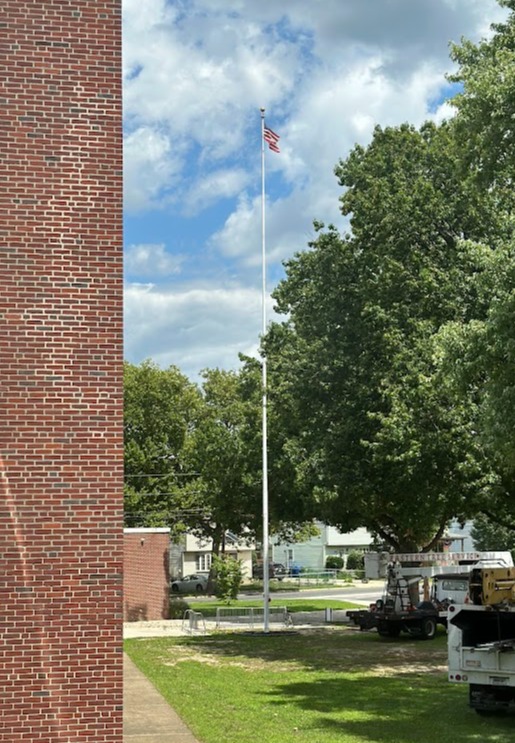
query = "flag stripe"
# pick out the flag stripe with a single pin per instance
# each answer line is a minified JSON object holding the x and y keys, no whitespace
{"x":270,"y":135}
{"x":271,"y":138}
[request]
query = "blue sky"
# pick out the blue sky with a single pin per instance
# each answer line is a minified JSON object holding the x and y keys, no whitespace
{"x":196,"y":73}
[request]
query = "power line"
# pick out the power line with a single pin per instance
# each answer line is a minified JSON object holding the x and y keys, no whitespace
{"x":166,"y":474}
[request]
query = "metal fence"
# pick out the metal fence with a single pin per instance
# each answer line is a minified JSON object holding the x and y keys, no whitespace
{"x":193,"y":622}
{"x":251,"y":615}
{"x":322,"y":576}
{"x":325,"y":577}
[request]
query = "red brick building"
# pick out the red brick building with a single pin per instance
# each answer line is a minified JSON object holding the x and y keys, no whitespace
{"x":61,"y":444}
{"x":146,"y":574}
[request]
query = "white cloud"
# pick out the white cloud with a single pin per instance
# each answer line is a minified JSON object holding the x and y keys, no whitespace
{"x":193,"y":328}
{"x":196,"y":74}
{"x":313,"y":143}
{"x":151,"y":260}
{"x":220,"y":184}
{"x":151,"y":166}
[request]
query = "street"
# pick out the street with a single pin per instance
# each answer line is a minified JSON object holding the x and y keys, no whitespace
{"x":364,"y":593}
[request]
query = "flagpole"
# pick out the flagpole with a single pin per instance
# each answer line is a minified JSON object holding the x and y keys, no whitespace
{"x":266,"y":576}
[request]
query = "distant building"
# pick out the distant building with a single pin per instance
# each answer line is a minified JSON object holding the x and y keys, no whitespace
{"x":459,"y":537}
{"x":312,"y":554}
{"x":190,"y":554}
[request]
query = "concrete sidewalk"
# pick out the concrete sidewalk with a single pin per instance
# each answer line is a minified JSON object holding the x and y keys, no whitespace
{"x":147,"y":717}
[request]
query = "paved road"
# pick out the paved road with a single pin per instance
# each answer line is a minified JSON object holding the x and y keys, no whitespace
{"x":364,"y":593}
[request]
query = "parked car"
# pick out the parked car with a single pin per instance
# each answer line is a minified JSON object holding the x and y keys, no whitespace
{"x":275,"y":570}
{"x":190,"y":584}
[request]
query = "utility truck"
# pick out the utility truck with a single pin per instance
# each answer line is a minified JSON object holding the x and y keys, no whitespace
{"x":420,"y":588}
{"x":481,"y":642}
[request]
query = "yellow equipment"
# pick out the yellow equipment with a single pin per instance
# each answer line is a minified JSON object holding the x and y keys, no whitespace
{"x":491,"y":586}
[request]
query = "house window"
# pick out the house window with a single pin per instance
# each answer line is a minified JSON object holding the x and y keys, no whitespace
{"x":203,"y":562}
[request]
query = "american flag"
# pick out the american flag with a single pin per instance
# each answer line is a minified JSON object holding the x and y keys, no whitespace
{"x":271,"y":138}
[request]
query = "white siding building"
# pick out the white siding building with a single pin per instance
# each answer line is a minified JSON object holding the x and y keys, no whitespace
{"x":312,"y":554}
{"x":193,"y":555}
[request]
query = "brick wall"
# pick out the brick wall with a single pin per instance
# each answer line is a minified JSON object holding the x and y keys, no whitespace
{"x":61,"y":447}
{"x":146,"y":574}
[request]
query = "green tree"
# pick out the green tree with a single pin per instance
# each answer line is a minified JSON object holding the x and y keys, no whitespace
{"x":290,"y":503}
{"x":334,"y":562}
{"x":355,"y":560}
{"x":479,"y":358}
{"x":481,"y":350}
{"x":486,"y":75}
{"x":488,"y":535}
{"x":378,"y":437}
{"x":218,"y":449}
{"x":160,"y":410}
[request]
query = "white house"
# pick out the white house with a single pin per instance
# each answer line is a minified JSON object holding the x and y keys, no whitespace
{"x":190,"y":554}
{"x":313,"y":553}
{"x":460,"y":538}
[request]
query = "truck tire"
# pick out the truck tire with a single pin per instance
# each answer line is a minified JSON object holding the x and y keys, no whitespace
{"x":389,"y":629}
{"x":382,"y":629}
{"x":427,"y":628}
{"x":394,"y":629}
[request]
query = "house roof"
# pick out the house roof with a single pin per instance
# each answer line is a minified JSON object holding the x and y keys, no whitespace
{"x":357,"y":538}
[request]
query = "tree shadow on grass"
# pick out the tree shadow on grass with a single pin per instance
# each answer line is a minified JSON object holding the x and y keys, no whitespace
{"x":345,"y":686}
{"x":408,"y":709}
{"x":326,"y":650}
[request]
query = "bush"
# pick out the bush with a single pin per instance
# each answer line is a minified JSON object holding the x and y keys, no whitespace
{"x":355,"y":560}
{"x":177,"y":607}
{"x":229,"y":577}
{"x":334,"y":562}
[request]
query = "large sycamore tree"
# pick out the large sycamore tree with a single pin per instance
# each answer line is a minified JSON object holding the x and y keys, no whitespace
{"x":377,"y":436}
{"x":482,"y":352}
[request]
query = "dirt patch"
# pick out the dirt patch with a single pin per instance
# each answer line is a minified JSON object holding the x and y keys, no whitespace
{"x":338,"y":651}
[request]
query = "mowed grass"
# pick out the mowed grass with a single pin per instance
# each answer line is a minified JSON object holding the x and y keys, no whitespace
{"x":325,"y":686}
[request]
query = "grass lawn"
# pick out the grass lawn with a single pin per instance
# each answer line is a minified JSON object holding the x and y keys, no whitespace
{"x":325,"y":686}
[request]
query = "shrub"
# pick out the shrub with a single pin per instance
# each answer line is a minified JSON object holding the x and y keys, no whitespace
{"x":355,"y":560}
{"x":228,"y":576}
{"x":334,"y":562}
{"x":177,"y":607}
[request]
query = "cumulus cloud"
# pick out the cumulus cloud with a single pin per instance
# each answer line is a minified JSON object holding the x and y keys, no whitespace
{"x":193,"y":327}
{"x":151,"y":260}
{"x":152,"y":166}
{"x":196,"y":74}
{"x":195,"y":78}
{"x":219,"y":184}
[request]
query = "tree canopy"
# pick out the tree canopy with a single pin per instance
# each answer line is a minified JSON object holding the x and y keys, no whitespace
{"x":392,"y":392}
{"x":481,"y":352}
{"x":381,"y":439}
{"x":160,"y":410}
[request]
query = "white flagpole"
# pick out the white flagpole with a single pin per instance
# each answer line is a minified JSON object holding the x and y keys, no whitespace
{"x":266,"y":576}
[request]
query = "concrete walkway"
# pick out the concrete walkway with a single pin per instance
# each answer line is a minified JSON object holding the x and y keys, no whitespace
{"x":147,"y":717}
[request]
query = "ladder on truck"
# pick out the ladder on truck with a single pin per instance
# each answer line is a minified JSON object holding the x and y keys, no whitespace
{"x":448,"y":559}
